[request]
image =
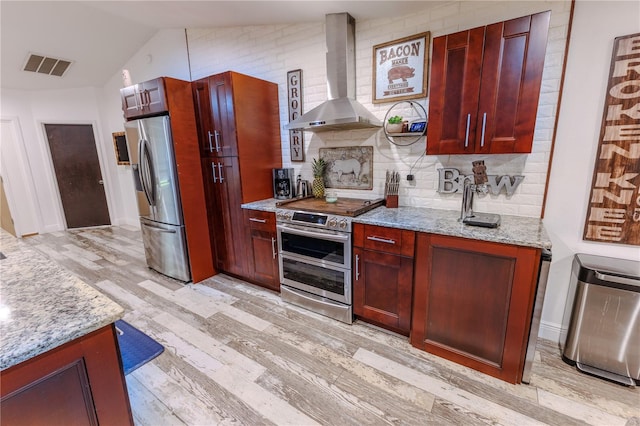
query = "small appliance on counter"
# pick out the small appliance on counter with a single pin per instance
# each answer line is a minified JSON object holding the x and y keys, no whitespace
{"x":283,"y":184}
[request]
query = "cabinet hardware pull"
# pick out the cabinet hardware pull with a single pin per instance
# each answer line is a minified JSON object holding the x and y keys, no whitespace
{"x":273,"y":247}
{"x":135,"y":98}
{"x":255,"y":219}
{"x":466,"y":137}
{"x":357,"y":268}
{"x":210,"y":144}
{"x":381,"y":240}
{"x":215,"y":178}
{"x":220,"y":172}
{"x":216,"y":134}
{"x":484,"y":123}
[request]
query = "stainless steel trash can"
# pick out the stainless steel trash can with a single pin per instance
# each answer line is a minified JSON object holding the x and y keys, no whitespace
{"x":602,"y":318}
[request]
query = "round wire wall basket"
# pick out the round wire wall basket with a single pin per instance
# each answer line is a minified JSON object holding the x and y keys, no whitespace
{"x":413,"y":127}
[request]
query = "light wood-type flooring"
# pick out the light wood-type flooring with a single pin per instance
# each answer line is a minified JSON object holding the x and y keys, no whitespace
{"x":236,"y":354}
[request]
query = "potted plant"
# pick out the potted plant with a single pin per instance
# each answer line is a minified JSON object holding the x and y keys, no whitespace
{"x":394,"y":124}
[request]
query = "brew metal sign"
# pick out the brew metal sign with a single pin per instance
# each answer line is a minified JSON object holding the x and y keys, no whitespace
{"x":613,"y":213}
{"x":294,"y":96}
{"x":399,"y":69}
{"x":450,"y":181}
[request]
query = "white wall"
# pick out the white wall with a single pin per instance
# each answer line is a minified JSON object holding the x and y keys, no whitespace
{"x":268,"y":52}
{"x":38,"y":206}
{"x":576,"y":146}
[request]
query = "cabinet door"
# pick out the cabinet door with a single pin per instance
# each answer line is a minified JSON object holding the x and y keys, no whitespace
{"x":226,"y":215}
{"x":144,"y":99}
{"x":202,"y":106}
{"x":453,"y":96}
{"x":510,"y":89}
{"x":263,"y":248}
{"x":382,"y":289}
{"x":473,"y":302}
{"x":153,"y":97}
{"x":223,"y":116}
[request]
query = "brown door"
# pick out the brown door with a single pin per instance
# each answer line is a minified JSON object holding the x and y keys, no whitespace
{"x":75,"y":161}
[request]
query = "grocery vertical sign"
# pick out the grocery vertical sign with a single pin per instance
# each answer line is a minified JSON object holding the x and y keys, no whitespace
{"x":613,"y":214}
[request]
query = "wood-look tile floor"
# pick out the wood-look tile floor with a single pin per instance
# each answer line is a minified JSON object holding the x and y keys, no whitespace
{"x":236,"y":354}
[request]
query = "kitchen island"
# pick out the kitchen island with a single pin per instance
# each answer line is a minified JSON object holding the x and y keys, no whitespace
{"x":59,"y":356}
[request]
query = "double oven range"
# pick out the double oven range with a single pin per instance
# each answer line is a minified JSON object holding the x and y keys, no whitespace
{"x":314,"y":240}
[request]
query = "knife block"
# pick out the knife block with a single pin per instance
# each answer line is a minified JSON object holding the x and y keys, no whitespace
{"x":391,"y":201}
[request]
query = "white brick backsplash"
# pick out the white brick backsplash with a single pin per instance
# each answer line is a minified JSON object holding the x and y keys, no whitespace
{"x":268,"y":52}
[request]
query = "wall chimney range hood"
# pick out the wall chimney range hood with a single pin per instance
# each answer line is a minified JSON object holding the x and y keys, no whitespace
{"x":341,"y":111}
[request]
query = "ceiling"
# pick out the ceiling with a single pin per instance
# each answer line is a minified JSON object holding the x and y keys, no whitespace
{"x":100,"y":36}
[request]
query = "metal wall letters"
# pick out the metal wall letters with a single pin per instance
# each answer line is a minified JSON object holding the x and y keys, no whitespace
{"x":294,"y":94}
{"x":613,"y":214}
{"x":450,"y":181}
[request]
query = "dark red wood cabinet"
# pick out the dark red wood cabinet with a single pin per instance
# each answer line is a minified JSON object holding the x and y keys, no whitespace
{"x":81,"y":382}
{"x":238,"y":126}
{"x":262,"y":251}
{"x":473,"y":302}
{"x":485,"y":87}
{"x":383,"y":276}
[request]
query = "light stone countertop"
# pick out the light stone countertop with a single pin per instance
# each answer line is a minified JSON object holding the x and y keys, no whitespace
{"x":517,"y":230}
{"x":43,"y":306}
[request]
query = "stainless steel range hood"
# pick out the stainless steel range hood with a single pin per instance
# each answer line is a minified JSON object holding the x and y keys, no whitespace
{"x":341,"y":111}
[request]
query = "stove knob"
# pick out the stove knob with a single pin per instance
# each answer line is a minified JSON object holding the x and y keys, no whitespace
{"x":333,"y":222}
{"x":343,"y":224}
{"x":288,"y":216}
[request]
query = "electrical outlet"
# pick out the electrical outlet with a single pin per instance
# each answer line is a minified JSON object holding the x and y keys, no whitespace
{"x":410,"y":178}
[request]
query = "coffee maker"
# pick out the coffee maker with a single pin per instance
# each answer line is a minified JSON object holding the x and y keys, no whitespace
{"x":283,"y":184}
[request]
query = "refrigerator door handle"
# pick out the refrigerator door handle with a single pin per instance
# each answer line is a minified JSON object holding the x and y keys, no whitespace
{"x":146,"y":172}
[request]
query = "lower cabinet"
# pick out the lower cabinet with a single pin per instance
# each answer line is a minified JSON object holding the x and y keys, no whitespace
{"x":262,"y":248}
{"x":473,"y":302}
{"x":383,"y":276}
{"x":81,"y":382}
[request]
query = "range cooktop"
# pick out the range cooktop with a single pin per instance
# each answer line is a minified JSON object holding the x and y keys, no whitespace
{"x":350,"y":207}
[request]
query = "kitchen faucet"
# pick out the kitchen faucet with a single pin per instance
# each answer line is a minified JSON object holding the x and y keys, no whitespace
{"x":467,"y":216}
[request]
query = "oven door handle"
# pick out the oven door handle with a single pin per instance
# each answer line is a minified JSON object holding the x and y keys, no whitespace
{"x":316,"y":233}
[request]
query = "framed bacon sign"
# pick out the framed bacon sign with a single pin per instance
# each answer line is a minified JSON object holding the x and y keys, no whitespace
{"x":399,"y":69}
{"x":613,"y":213}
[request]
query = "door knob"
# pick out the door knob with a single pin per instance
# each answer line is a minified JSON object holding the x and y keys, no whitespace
{"x":101,"y":182}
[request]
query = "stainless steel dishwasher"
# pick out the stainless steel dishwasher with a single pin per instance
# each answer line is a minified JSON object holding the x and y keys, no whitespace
{"x":602,"y":318}
{"x":543,"y":275}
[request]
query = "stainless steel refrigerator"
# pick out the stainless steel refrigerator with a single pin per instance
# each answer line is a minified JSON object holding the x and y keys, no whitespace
{"x":158,"y":195}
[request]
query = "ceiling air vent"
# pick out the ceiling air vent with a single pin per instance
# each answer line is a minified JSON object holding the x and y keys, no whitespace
{"x":46,"y":65}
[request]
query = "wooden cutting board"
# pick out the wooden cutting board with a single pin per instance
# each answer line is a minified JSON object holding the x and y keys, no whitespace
{"x":343,"y":207}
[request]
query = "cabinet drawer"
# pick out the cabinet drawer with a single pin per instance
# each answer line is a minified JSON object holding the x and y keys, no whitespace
{"x":384,"y":239}
{"x":258,"y":219}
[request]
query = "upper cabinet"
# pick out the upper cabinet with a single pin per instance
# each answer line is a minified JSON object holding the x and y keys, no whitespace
{"x":485,"y":86}
{"x":215,"y":103}
{"x":144,"y":99}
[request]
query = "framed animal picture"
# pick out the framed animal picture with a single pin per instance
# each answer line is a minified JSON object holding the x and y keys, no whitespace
{"x":399,"y":69}
{"x":348,"y":167}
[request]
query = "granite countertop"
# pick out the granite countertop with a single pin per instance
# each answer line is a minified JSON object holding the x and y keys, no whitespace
{"x":517,"y":230}
{"x":43,"y":306}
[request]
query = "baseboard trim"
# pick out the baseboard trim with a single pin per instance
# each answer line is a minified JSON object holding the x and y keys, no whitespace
{"x":550,"y":331}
